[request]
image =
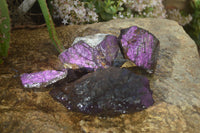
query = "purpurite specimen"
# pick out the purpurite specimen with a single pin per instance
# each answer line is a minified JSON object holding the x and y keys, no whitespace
{"x":100,"y":55}
{"x":42,"y":79}
{"x":86,"y":54}
{"x":91,"y":85}
{"x":140,"y":46}
{"x":106,"y":92}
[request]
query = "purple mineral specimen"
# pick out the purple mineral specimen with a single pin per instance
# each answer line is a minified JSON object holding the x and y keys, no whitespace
{"x":140,"y":46}
{"x":105,"y":92}
{"x":83,"y":55}
{"x":42,"y":79}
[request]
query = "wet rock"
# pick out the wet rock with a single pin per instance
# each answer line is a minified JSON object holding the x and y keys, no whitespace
{"x":42,"y":79}
{"x":105,"y":92}
{"x":140,"y":46}
{"x":91,"y":53}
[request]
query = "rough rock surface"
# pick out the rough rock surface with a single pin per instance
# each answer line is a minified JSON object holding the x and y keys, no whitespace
{"x":175,"y":84}
{"x":91,"y":40}
{"x":106,"y":92}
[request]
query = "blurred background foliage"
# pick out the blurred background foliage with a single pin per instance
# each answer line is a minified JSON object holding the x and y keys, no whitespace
{"x":185,"y":12}
{"x":193,"y":28}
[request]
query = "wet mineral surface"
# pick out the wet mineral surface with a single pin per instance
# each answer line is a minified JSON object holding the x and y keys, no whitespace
{"x":106,"y":92}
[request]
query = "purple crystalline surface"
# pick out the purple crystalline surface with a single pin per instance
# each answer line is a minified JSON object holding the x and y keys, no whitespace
{"x":83,"y":55}
{"x":80,"y":54}
{"x":42,"y":79}
{"x":140,"y":46}
{"x":108,"y":49}
{"x":105,"y":92}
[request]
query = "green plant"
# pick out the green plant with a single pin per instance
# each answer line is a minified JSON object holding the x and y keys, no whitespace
{"x":4,"y":30}
{"x":50,"y":6}
{"x":106,"y":9}
{"x":193,"y":28}
{"x":50,"y":25}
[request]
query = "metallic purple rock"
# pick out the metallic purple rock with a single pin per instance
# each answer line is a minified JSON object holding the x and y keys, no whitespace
{"x":140,"y":46}
{"x":80,"y":54}
{"x":108,"y":49}
{"x":106,"y":92}
{"x":42,"y":79}
{"x":83,"y":55}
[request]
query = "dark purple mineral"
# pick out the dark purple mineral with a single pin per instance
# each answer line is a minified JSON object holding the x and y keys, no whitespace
{"x":106,"y":92}
{"x":42,"y":79}
{"x":91,"y":57}
{"x":140,"y":46}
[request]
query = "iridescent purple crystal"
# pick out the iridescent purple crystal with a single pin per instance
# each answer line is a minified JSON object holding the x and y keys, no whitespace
{"x":106,"y":92}
{"x":140,"y":46}
{"x":42,"y":79}
{"x":83,"y":55}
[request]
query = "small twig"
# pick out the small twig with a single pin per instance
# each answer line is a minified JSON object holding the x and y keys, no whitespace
{"x":28,"y":26}
{"x":35,"y":14}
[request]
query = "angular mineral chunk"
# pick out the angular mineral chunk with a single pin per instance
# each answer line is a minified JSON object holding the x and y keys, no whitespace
{"x":42,"y":79}
{"x":100,"y":55}
{"x":105,"y":92}
{"x":140,"y":46}
{"x":108,"y":50}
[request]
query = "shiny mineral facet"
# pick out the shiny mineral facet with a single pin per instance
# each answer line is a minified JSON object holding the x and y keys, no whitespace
{"x":83,"y":55}
{"x":140,"y":46}
{"x":106,"y":92}
{"x":42,"y":79}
